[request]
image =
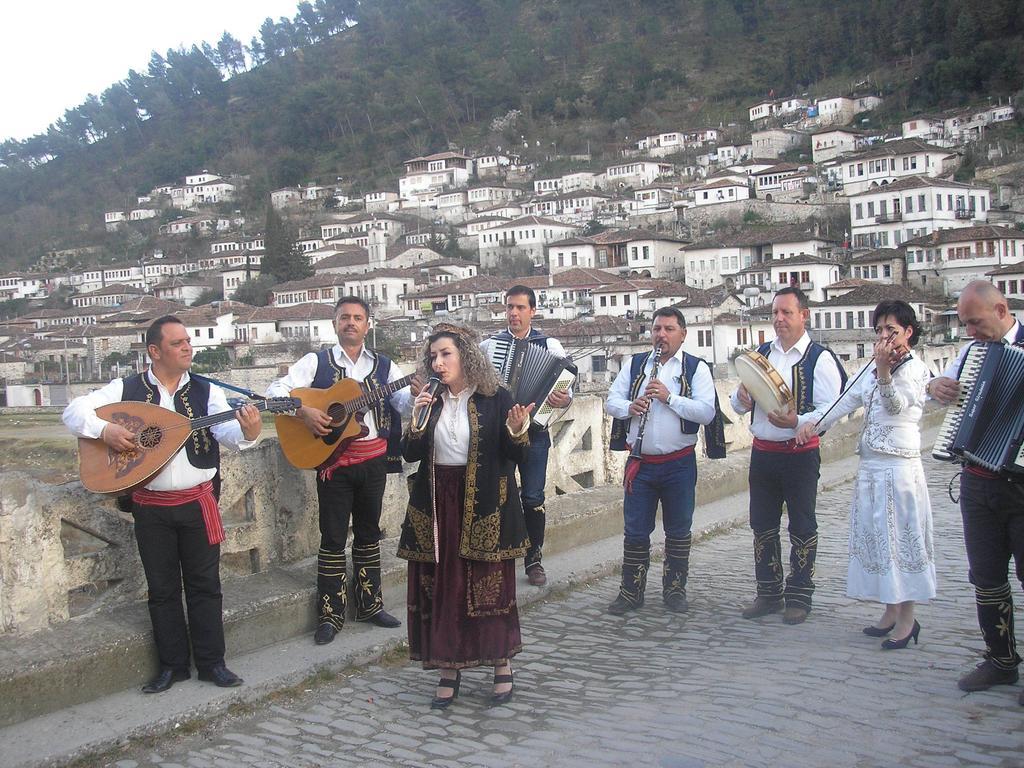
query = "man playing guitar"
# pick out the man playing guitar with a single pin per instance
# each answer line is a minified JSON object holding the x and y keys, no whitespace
{"x":350,"y":484}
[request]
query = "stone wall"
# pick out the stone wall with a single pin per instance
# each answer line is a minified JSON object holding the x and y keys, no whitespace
{"x":65,"y":552}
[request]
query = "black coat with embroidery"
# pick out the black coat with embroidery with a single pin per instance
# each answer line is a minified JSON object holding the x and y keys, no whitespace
{"x":492,"y":524}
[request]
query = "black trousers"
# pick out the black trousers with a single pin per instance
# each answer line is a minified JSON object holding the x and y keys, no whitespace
{"x":353,"y":495}
{"x":174,"y":550}
{"x":790,"y":479}
{"x":993,"y":516}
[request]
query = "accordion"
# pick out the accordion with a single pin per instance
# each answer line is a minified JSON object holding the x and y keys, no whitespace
{"x":985,"y":426}
{"x":531,"y":373}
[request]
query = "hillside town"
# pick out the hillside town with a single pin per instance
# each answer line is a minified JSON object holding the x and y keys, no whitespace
{"x":712,"y":220}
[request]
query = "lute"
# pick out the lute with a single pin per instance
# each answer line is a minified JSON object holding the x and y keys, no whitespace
{"x":159,"y":435}
{"x":345,"y":402}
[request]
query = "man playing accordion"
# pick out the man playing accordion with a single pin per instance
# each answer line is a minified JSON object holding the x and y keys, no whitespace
{"x":992,"y":506}
{"x":520,"y":307}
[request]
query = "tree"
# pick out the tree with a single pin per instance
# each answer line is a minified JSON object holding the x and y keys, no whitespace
{"x":282,"y":257}
{"x":212,"y":359}
{"x":255,"y":292}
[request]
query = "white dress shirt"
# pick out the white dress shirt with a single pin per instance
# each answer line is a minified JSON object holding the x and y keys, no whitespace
{"x":828,"y":384}
{"x":451,"y":433}
{"x":953,"y":369}
{"x":663,"y":433}
{"x":178,"y":474}
{"x":300,"y":374}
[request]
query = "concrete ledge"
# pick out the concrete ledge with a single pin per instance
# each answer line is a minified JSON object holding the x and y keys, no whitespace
{"x":99,"y":655}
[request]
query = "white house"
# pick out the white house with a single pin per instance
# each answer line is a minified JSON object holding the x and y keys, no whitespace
{"x":579,"y":180}
{"x":109,"y":296}
{"x":885,"y":163}
{"x":201,"y":188}
{"x":721,"y":259}
{"x":720,"y":191}
{"x":524,"y":236}
{"x":1009,"y":280}
{"x":829,"y":143}
{"x":490,"y":194}
{"x":491,"y":164}
{"x":889,"y":215}
{"x":951,"y":258}
{"x":882,"y":265}
{"x":636,"y":174}
{"x":762,"y":110}
{"x":112,"y":220}
{"x":427,"y":176}
{"x":841,"y":109}
{"x":312,"y":322}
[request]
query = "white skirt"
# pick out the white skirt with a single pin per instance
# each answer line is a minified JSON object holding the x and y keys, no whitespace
{"x":892,"y":556}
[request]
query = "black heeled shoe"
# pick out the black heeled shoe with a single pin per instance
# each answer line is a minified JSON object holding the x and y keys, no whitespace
{"x":442,"y":702}
{"x":874,"y":631}
{"x":895,"y":645}
{"x":498,"y":699}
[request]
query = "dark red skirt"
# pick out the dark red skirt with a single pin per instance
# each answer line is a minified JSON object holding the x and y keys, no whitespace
{"x":462,"y":613}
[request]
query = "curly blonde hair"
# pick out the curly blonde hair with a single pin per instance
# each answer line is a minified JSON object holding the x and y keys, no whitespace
{"x":476,"y":368}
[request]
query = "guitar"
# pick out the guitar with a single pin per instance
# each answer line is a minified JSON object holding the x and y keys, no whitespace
{"x":159,"y":435}
{"x":345,"y":402}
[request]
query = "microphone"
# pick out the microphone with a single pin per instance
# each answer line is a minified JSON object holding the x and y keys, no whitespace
{"x":422,"y":416}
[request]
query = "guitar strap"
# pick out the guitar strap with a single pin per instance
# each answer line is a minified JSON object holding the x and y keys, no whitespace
{"x":240,"y":390}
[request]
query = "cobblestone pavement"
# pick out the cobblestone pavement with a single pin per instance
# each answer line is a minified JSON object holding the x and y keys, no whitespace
{"x":705,"y":689}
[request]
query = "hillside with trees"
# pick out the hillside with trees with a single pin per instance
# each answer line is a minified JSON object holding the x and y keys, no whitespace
{"x":350,"y":89}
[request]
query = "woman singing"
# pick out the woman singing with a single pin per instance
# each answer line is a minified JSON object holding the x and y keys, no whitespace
{"x":891,"y":553}
{"x":464,"y":526}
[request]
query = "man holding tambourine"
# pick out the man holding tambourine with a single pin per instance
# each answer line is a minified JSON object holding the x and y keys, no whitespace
{"x":782,"y":471}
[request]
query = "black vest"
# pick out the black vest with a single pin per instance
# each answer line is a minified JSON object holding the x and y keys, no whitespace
{"x":386,"y":416}
{"x":714,"y":433}
{"x":191,"y":401}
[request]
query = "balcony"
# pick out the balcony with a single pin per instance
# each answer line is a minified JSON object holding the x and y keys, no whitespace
{"x":964,"y":213}
{"x":887,"y":218}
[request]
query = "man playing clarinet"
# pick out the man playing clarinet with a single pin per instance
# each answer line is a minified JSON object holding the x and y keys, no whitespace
{"x":992,"y":507}
{"x":659,"y":401}
{"x":177,"y":523}
{"x":783,"y":472}
{"x":520,"y":307}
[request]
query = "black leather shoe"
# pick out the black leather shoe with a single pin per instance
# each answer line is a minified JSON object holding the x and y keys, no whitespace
{"x":220,"y":676}
{"x":324,"y":634}
{"x":383,"y":619}
{"x":165,"y":680}
{"x":874,"y":631}
{"x":497,"y":699}
{"x":451,"y":684}
{"x":762,"y":606}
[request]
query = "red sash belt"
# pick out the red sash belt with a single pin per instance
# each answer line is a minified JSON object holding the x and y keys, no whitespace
{"x":357,"y":452}
{"x":786,"y":446}
{"x":981,"y":472}
{"x":633,"y":463}
{"x":203,"y":493}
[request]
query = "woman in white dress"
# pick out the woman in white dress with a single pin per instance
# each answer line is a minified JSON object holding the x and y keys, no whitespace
{"x":891,"y":549}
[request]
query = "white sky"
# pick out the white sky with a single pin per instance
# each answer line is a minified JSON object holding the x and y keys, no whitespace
{"x":56,"y":53}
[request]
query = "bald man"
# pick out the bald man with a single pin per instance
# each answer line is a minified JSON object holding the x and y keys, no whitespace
{"x":992,"y":507}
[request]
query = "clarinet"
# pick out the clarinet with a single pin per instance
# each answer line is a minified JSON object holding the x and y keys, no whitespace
{"x":638,"y":443}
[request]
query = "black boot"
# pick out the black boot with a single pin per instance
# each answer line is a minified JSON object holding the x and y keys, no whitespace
{"x":676,"y":568}
{"x":995,"y":617}
{"x":535,"y":523}
{"x":366,"y":575}
{"x":636,"y":561}
{"x":768,"y":564}
{"x":332,"y":594}
{"x":800,"y":583}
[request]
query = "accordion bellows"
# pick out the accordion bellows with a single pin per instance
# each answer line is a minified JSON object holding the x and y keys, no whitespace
{"x":531,"y":374}
{"x":985,"y":426}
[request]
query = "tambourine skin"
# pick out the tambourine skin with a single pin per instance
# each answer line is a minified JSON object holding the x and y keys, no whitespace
{"x":764,"y":383}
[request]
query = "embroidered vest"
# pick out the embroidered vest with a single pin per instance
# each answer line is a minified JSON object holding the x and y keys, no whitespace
{"x":714,"y":433}
{"x":192,"y":401}
{"x":803,"y":374}
{"x":386,"y":416}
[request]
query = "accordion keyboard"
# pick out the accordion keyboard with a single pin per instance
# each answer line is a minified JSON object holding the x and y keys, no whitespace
{"x":943,"y":448}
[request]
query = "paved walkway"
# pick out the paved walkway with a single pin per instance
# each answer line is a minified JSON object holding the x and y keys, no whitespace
{"x":707,"y":689}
